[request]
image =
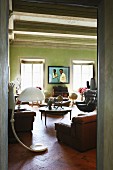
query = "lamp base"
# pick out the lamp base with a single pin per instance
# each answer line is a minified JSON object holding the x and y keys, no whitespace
{"x":38,"y":147}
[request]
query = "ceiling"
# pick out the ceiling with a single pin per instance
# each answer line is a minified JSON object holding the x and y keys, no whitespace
{"x":47,"y":24}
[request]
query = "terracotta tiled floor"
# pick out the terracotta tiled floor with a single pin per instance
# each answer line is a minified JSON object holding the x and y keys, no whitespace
{"x":57,"y":157}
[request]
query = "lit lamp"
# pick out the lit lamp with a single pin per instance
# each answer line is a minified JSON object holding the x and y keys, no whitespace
{"x":73,"y":97}
{"x":28,"y":95}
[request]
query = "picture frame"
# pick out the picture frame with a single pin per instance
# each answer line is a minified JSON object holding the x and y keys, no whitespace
{"x":58,"y":75}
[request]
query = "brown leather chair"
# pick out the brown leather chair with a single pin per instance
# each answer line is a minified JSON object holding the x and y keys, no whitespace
{"x":23,"y":122}
{"x":80,"y":134}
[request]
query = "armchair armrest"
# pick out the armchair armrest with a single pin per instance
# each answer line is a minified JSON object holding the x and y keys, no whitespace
{"x":84,"y":119}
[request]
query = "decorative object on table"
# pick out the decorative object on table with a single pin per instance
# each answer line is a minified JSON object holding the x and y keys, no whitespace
{"x":73,"y":96}
{"x":60,"y":100}
{"x":18,"y":103}
{"x":17,"y":83}
{"x":50,"y":102}
{"x":29,"y":94}
{"x":47,"y":95}
{"x":81,"y":90}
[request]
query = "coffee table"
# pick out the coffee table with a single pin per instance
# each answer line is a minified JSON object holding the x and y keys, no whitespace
{"x":55,"y":111}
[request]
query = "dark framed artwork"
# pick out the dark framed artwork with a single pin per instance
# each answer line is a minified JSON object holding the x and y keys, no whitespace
{"x":58,"y":75}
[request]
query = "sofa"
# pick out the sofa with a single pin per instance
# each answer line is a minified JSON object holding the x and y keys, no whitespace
{"x":23,"y":122}
{"x":80,"y":134}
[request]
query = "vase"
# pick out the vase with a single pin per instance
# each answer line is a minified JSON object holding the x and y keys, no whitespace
{"x":50,"y":104}
{"x":49,"y":107}
{"x":81,"y":97}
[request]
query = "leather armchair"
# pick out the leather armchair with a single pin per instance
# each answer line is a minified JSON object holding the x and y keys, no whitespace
{"x":86,"y":107}
{"x":90,"y":102}
{"x":23,"y":122}
{"x":80,"y":134}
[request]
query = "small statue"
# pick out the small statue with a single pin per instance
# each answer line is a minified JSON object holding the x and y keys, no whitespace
{"x":50,"y":104}
{"x":60,"y":98}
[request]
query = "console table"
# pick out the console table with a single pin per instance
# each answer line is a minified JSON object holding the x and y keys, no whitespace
{"x":60,"y":90}
{"x":55,"y":111}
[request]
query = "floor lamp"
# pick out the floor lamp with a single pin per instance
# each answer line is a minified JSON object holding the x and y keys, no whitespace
{"x":28,"y":95}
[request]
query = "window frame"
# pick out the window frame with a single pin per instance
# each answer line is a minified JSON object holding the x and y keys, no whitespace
{"x":34,"y":61}
{"x":81,"y":63}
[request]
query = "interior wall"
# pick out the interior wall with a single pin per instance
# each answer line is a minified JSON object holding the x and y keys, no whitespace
{"x":101,"y":87}
{"x":52,"y":56}
{"x":3,"y":84}
{"x":108,"y":130}
{"x":105,"y":101}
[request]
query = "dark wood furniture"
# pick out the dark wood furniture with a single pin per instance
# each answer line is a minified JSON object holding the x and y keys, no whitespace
{"x":23,"y":122}
{"x":60,"y":90}
{"x":55,"y":111}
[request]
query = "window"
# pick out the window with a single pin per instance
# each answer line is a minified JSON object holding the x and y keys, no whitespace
{"x":82,"y":72}
{"x":32,"y":73}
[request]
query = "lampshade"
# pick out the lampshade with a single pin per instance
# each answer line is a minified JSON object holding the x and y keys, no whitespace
{"x":47,"y":94}
{"x":60,"y":98}
{"x":29,"y":94}
{"x":73,"y":96}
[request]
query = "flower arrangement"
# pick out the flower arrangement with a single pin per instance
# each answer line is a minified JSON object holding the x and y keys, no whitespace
{"x":81,"y":90}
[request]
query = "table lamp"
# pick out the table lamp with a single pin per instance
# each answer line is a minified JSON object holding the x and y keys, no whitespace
{"x":73,"y":96}
{"x":30,"y":94}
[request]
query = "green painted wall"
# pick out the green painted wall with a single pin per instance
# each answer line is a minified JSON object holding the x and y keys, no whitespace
{"x":53,"y":56}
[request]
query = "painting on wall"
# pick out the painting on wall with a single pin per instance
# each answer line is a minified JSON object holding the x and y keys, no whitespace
{"x":58,"y":75}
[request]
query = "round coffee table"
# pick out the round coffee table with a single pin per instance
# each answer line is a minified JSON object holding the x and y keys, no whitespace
{"x":55,"y":110}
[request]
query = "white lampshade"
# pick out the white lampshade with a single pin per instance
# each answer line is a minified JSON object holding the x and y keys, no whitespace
{"x":31,"y":94}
